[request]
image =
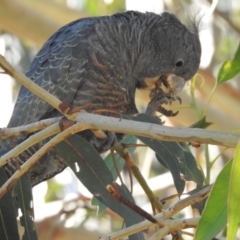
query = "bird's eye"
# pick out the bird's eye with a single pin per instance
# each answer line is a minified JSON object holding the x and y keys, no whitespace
{"x":179,"y":63}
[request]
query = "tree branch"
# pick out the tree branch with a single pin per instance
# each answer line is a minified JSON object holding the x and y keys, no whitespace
{"x":92,"y":121}
{"x":158,"y":132}
{"x":174,"y":225}
{"x":32,"y":140}
{"x":166,"y":214}
{"x":27,"y":129}
{"x":30,"y":85}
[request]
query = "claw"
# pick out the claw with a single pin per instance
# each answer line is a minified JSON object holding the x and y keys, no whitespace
{"x":168,"y":113}
{"x":179,"y":99}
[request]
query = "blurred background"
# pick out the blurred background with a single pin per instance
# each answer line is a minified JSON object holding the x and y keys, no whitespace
{"x":62,"y":205}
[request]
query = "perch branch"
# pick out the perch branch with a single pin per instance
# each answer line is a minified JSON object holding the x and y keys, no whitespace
{"x":91,"y":121}
{"x":158,"y":132}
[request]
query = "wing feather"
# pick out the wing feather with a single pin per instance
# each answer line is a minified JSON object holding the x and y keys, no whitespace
{"x":59,"y":67}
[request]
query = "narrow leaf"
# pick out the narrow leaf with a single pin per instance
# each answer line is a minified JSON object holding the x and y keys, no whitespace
{"x":214,"y":216}
{"x":94,"y":174}
{"x":229,"y":69}
{"x":169,"y":154}
{"x":24,"y":199}
{"x":202,"y":123}
{"x":192,"y":172}
{"x":234,"y":197}
{"x":120,"y":164}
{"x":8,"y":221}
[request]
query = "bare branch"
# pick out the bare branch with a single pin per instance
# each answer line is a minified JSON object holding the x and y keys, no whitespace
{"x":32,"y":140}
{"x":41,"y":93}
{"x":40,"y":153}
{"x":168,"y":213}
{"x":33,"y":87}
{"x":222,"y":17}
{"x":92,"y":121}
{"x":158,"y":132}
{"x":174,"y":225}
{"x":27,"y":129}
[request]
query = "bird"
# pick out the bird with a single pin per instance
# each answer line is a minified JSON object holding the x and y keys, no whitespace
{"x":98,"y":63}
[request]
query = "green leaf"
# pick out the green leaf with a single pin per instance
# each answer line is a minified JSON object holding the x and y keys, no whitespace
{"x":234,"y":197}
{"x":120,"y":164}
{"x":169,"y":154}
{"x":91,"y":170}
{"x":24,"y":199}
{"x":128,"y":195}
{"x":202,"y":123}
{"x":229,"y":69}
{"x":8,"y":221}
{"x":214,"y":216}
{"x":192,"y":172}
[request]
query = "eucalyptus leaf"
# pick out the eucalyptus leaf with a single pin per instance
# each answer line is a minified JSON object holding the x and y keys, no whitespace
{"x":229,"y":69}
{"x":23,"y":190}
{"x":8,"y":221}
{"x":202,"y":123}
{"x":214,"y":216}
{"x":91,"y":170}
{"x":110,"y":164}
{"x":234,"y":197}
{"x":169,"y":154}
{"x":192,"y":172}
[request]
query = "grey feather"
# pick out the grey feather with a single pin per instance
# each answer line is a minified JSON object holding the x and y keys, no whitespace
{"x":91,"y":61}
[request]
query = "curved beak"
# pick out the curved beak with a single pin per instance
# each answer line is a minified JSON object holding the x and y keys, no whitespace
{"x":174,"y":83}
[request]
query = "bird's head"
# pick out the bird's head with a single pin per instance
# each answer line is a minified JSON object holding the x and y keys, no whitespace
{"x":168,"y":51}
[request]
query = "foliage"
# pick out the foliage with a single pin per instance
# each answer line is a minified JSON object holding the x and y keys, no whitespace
{"x":229,"y":69}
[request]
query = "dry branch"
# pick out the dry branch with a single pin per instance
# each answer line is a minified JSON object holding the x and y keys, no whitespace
{"x":161,"y":217}
{"x":30,"y":85}
{"x":174,"y":225}
{"x":27,"y":129}
{"x":32,"y":140}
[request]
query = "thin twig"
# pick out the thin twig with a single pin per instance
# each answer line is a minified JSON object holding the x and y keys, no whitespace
{"x":125,"y":154}
{"x":174,"y":225}
{"x":225,"y":19}
{"x":32,"y":140}
{"x":37,"y":155}
{"x":168,"y":213}
{"x":27,"y":129}
{"x":30,"y":85}
{"x":43,"y":94}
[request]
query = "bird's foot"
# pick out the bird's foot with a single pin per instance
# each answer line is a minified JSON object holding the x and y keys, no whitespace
{"x":162,"y":98}
{"x":102,"y":145}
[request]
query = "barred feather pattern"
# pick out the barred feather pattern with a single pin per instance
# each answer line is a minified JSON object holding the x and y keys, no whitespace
{"x":99,"y":62}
